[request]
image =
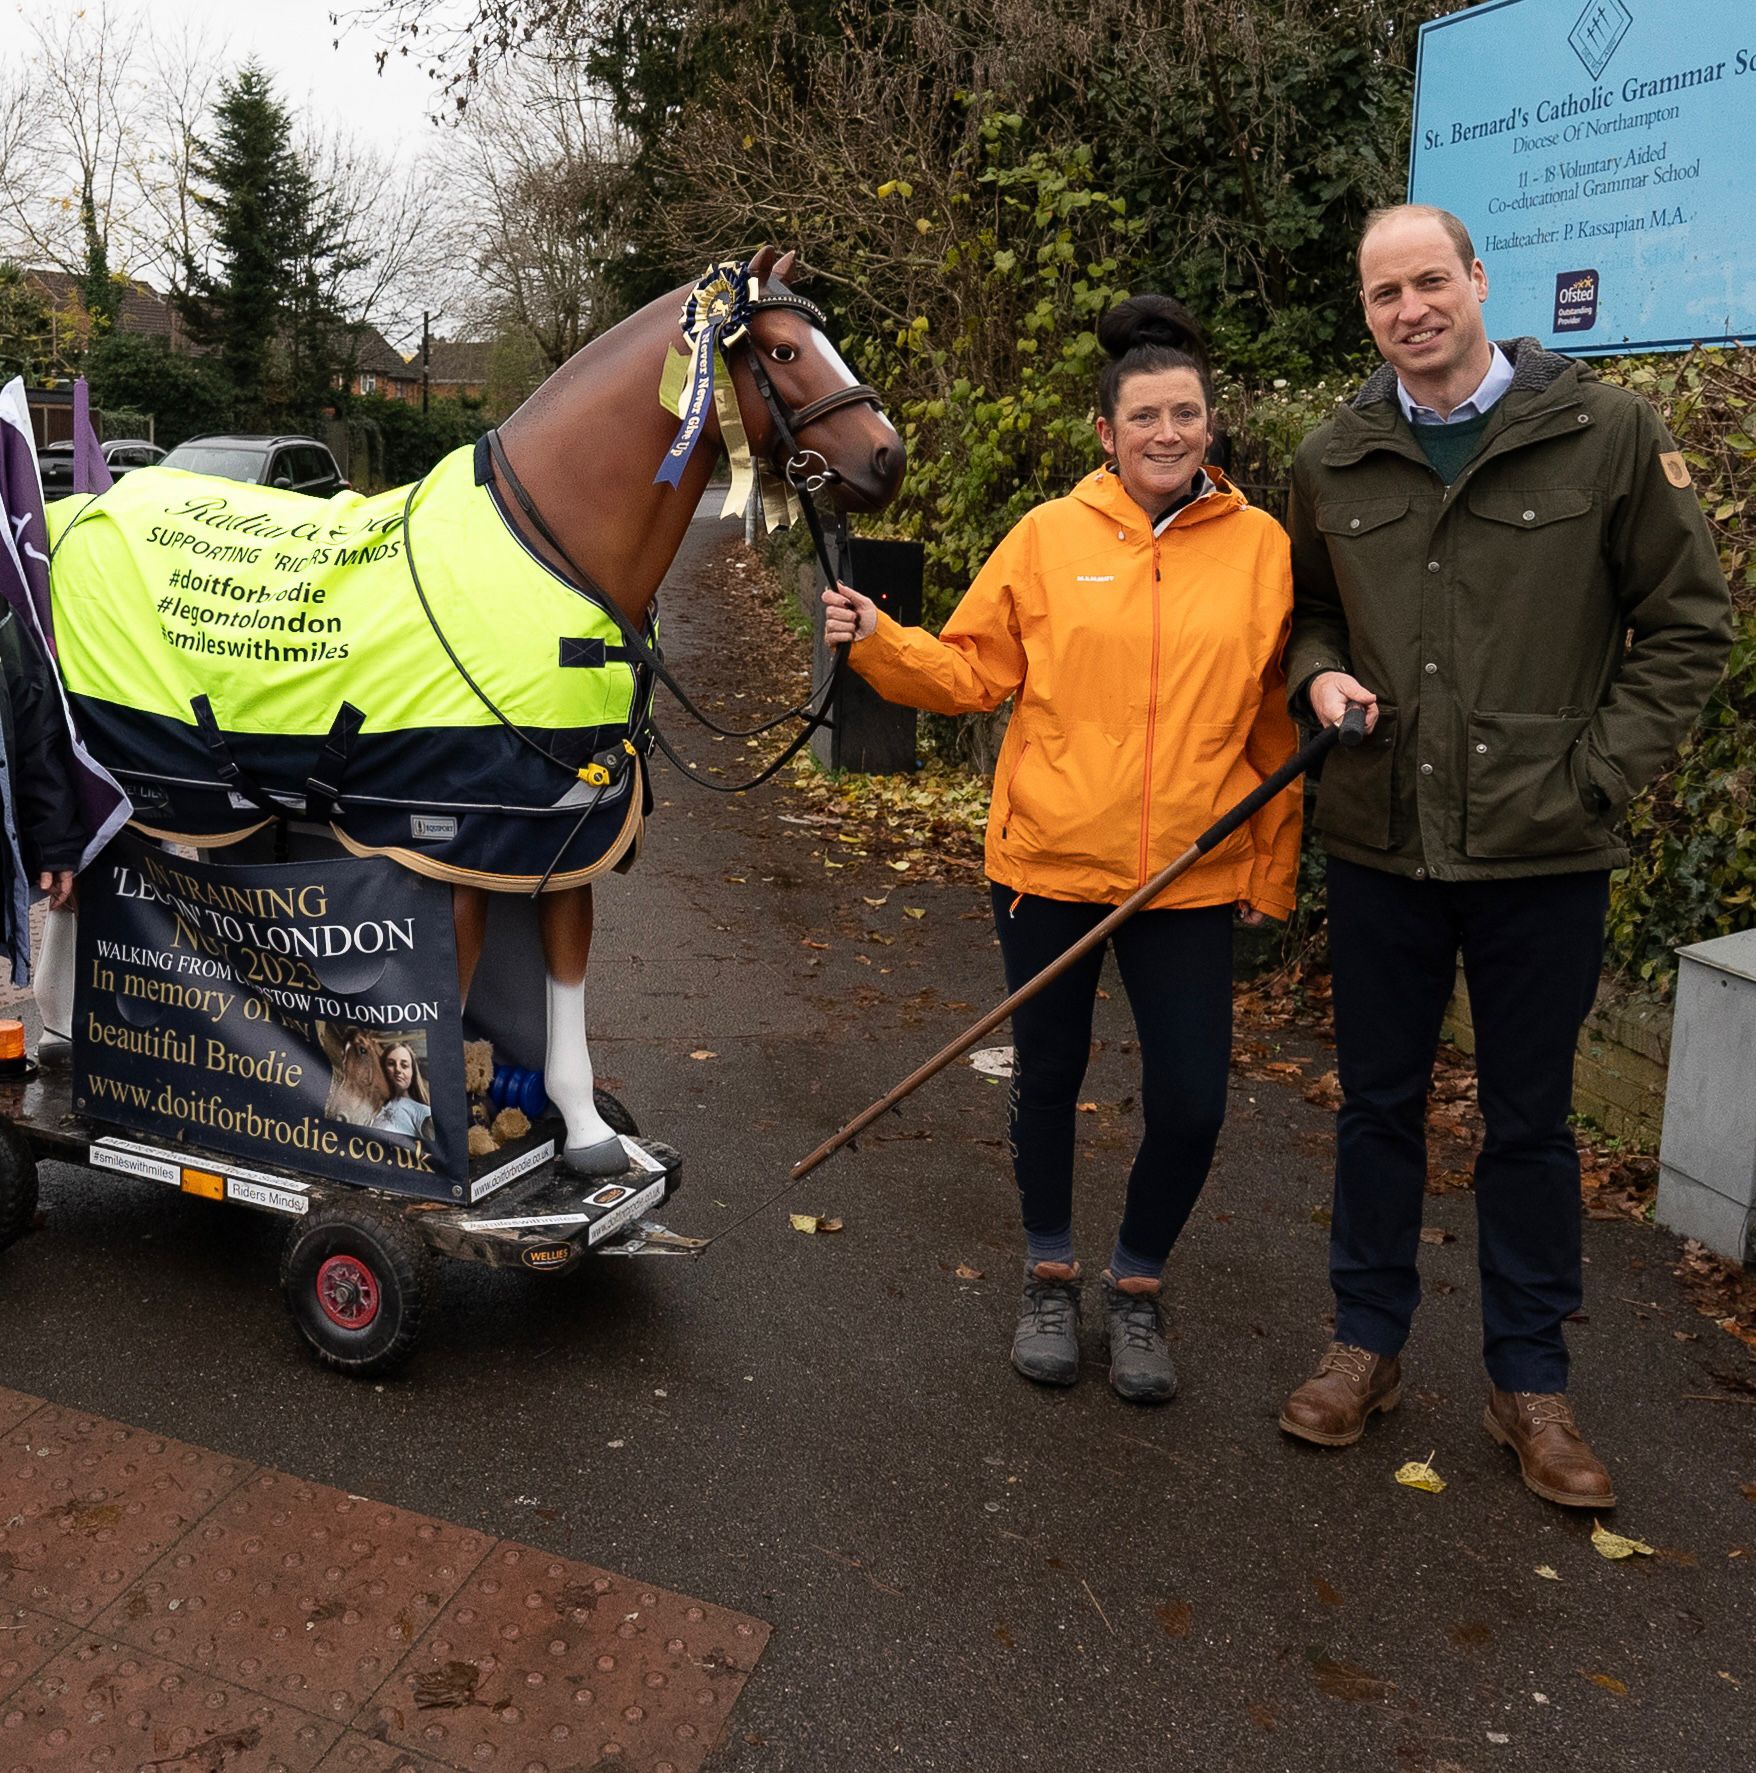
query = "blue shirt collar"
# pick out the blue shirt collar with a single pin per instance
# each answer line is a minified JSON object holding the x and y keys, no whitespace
{"x":1493,"y":385}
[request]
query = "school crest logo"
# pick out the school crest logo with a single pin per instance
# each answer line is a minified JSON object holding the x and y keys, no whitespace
{"x":1598,"y":32}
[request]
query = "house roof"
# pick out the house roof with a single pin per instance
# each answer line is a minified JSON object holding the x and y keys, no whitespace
{"x":143,"y":309}
{"x":375,"y":355}
{"x":464,"y":361}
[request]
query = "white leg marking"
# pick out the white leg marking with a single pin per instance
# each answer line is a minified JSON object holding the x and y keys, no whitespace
{"x":567,"y":1069}
{"x":54,"y":979}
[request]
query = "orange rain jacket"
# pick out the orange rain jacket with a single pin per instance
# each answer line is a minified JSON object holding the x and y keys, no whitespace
{"x":1150,"y":694}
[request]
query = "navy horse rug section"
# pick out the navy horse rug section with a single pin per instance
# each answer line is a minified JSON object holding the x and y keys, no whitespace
{"x":400,"y":665}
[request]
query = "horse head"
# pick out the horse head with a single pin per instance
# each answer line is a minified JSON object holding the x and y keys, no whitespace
{"x":805,"y":412}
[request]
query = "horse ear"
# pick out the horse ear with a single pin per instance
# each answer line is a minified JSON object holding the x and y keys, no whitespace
{"x":783,"y":267}
{"x":761,"y":263}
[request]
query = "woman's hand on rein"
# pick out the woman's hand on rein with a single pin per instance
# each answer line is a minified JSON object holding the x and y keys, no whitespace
{"x":847,"y":615}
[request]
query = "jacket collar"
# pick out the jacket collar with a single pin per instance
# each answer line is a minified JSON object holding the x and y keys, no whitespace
{"x":1543,"y":382}
{"x":1103,"y":491}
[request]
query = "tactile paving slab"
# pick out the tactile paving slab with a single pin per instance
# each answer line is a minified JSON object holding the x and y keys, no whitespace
{"x":27,"y":1641}
{"x":299,"y":1592}
{"x":546,"y":1665}
{"x":86,"y":1505}
{"x":14,"y":1407}
{"x":366,"y":1754}
{"x":107,"y":1707}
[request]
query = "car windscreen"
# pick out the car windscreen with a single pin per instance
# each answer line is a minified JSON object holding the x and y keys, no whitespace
{"x":230,"y":464}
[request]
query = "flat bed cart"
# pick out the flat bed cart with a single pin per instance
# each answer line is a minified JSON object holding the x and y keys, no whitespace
{"x":360,"y":1264}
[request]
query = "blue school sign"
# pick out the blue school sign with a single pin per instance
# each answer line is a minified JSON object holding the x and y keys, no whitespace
{"x":1600,"y":152}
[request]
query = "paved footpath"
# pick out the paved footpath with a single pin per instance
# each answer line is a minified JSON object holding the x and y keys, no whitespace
{"x":820,"y":1433}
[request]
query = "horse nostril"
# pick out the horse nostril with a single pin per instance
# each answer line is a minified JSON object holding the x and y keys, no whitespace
{"x":887,"y":464}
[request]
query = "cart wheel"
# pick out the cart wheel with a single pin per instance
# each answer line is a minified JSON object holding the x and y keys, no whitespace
{"x":358,"y":1284}
{"x":616,"y":1116}
{"x":18,"y":1185}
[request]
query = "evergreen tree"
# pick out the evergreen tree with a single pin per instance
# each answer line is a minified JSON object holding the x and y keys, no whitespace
{"x":265,"y":303}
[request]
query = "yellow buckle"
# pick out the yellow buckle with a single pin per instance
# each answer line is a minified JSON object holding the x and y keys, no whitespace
{"x":596,"y":775}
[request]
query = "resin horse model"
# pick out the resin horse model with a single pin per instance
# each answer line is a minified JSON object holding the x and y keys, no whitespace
{"x":592,"y":482}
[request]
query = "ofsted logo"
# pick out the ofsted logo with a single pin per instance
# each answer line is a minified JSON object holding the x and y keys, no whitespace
{"x":1576,"y":301}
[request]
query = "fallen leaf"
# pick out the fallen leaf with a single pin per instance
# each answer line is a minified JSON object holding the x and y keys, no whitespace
{"x":1327,"y":1593}
{"x":1614,"y":1545}
{"x":1548,"y":1573}
{"x":1419,"y":1474}
{"x":1088,"y":1108}
{"x":1320,"y":1215}
{"x":1341,"y":1680}
{"x":913,"y":911}
{"x":1748,"y":1491}
{"x":1609,"y":1683}
{"x":1285,"y":1067}
{"x":1725,"y":1676}
{"x":900,"y":867}
{"x":876,"y":904}
{"x":1437,"y":1234}
{"x":828,"y":1225}
{"x":965,"y":1273}
{"x":1261,"y":1715}
{"x":1004,"y":1638}
{"x":1176,"y":1617}
{"x":806,"y":942}
{"x":805,"y":1222}
{"x":704,"y":1053}
{"x":1470,"y":1635}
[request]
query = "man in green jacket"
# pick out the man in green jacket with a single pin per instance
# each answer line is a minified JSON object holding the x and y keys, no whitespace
{"x":1502,"y":560}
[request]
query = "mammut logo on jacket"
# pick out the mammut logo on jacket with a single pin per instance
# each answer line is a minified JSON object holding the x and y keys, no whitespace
{"x":1094,"y":578}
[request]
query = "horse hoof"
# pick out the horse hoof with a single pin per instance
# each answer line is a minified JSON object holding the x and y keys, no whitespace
{"x":605,"y":1158}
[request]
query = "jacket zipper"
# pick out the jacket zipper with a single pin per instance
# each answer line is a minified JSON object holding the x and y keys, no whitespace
{"x":1151,"y":719}
{"x":1012,"y":776}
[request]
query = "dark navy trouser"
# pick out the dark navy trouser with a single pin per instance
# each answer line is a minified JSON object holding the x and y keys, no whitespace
{"x":1176,"y":967}
{"x":1532,"y":950}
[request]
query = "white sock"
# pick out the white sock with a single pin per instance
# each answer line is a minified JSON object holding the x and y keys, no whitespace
{"x":567,"y":1069}
{"x":54,"y":977}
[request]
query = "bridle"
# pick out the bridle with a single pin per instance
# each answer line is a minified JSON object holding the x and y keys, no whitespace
{"x":785,"y":456}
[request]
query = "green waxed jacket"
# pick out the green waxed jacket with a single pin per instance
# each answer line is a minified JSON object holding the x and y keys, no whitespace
{"x":1540,"y":635}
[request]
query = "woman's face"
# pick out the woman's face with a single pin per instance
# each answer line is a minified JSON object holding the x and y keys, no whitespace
{"x":399,"y":1070}
{"x":1160,"y":435}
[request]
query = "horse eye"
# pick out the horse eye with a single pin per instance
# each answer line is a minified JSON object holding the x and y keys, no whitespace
{"x":783,"y":353}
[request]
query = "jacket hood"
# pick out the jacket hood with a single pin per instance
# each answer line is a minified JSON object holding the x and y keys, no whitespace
{"x":1534,"y":367}
{"x":1103,"y":491}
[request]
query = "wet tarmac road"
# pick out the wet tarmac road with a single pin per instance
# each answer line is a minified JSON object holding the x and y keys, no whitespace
{"x":963,"y":1572}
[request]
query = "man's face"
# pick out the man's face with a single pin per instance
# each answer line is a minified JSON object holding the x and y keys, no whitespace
{"x":1423,"y":304}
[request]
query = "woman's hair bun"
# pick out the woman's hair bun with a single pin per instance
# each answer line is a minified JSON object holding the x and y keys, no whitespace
{"x":1151,"y":320}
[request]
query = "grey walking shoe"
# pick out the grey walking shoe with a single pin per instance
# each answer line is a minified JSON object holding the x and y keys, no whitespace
{"x":1140,"y":1360}
{"x":1045,"y":1346}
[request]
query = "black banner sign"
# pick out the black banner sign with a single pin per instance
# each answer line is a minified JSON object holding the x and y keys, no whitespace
{"x":303,"y":1013}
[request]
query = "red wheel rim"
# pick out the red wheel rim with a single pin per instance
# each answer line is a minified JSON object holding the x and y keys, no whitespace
{"x":348,"y":1292}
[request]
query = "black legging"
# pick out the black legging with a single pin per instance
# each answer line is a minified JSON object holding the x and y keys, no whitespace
{"x":1176,"y":967}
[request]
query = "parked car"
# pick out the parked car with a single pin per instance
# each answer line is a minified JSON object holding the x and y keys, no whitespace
{"x":123,"y":454}
{"x":300,"y":464}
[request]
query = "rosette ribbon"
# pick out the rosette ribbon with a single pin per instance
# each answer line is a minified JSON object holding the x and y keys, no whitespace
{"x":715,"y":315}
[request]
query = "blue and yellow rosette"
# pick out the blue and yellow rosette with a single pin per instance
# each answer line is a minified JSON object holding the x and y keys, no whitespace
{"x":715,"y":315}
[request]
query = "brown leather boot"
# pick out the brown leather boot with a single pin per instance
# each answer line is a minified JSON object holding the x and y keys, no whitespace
{"x":1552,"y":1455}
{"x":1331,"y":1407}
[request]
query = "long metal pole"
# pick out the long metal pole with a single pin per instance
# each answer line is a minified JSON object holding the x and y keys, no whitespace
{"x":1350,"y":731}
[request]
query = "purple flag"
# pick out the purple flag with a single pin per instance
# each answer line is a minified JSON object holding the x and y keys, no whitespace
{"x":24,"y":584}
{"x":91,"y":473}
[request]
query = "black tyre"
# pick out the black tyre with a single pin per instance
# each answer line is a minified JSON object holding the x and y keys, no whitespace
{"x":18,"y":1185}
{"x":616,"y":1116}
{"x":359,"y":1284}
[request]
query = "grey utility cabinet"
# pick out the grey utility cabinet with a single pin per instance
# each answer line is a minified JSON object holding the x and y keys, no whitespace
{"x":1707,"y":1160}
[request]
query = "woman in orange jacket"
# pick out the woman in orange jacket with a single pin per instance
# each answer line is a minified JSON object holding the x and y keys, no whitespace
{"x":1139,"y":624}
